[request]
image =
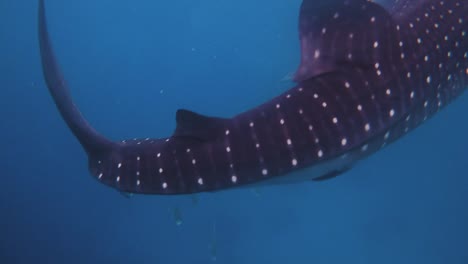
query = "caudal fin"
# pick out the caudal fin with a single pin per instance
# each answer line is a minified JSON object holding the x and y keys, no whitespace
{"x":91,"y":141}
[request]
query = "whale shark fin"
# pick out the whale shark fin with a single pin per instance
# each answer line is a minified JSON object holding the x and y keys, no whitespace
{"x":344,"y":33}
{"x":198,"y":127}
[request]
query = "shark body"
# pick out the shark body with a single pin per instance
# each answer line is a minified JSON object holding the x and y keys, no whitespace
{"x":369,"y":74}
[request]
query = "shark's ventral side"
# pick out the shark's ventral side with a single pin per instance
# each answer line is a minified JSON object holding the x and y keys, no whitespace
{"x":369,"y":74}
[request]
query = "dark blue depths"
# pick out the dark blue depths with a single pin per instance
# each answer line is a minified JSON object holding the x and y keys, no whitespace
{"x":130,"y":67}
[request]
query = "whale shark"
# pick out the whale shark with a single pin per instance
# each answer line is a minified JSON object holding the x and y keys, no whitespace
{"x":369,"y":74}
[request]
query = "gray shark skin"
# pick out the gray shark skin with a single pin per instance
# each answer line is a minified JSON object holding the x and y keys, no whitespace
{"x":369,"y":74}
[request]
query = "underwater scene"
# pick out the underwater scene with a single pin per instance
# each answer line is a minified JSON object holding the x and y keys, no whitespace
{"x":234,"y":132}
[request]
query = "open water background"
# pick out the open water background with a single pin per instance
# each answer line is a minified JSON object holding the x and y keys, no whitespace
{"x":130,"y":65}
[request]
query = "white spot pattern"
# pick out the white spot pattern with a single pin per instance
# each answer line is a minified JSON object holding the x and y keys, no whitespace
{"x":328,"y":117}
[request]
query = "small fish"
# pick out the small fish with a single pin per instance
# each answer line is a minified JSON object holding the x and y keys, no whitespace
{"x":126,"y":194}
{"x":177,"y":214}
{"x":213,"y":246}
{"x":256,"y":192}
{"x":194,"y":199}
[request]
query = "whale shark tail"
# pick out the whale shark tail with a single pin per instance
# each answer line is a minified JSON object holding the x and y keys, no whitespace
{"x":90,"y":139}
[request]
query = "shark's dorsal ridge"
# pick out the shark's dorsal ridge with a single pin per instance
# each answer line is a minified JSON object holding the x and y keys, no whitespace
{"x":196,"y":126}
{"x":337,"y":33}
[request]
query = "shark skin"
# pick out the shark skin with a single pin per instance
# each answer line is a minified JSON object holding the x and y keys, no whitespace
{"x":369,"y":74}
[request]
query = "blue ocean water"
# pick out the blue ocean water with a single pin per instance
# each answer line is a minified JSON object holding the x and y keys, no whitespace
{"x":130,"y":65}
